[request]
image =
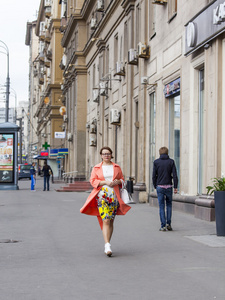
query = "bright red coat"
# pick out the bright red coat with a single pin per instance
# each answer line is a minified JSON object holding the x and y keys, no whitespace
{"x":90,"y":207}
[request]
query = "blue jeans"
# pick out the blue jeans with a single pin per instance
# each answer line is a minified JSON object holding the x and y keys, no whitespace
{"x":32,"y":182}
{"x":46,"y":180}
{"x":165,"y":195}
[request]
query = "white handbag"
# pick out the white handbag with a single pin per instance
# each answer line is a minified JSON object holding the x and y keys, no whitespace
{"x":124,"y":194}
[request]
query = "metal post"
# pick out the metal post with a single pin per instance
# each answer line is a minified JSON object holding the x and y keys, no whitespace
{"x":20,"y":157}
{"x":7,"y":85}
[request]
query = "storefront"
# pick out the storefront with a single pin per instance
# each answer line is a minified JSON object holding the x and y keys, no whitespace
{"x":172,"y":94}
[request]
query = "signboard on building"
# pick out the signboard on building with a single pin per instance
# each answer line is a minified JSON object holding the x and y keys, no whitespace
{"x":172,"y":88}
{"x":205,"y":26}
{"x":60,"y":135}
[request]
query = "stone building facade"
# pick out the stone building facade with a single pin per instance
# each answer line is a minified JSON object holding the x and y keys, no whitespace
{"x":45,"y":79}
{"x":143,"y":90}
{"x":137,"y":76}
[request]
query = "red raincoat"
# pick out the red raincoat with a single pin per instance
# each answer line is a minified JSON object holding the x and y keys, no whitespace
{"x":90,"y":207}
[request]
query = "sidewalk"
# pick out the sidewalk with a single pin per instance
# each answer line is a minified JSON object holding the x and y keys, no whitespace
{"x":59,"y":253}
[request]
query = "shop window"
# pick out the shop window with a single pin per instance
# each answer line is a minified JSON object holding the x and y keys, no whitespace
{"x":200,"y":131}
{"x":152,"y":136}
{"x":172,"y":9}
{"x":174,"y":131}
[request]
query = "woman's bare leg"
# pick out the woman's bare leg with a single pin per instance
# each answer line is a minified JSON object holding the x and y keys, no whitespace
{"x":107,"y":230}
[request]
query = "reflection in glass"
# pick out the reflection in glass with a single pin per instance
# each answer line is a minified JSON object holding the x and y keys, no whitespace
{"x":174,"y":131}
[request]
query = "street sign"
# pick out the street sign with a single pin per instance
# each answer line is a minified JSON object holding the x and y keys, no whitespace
{"x":46,"y":145}
{"x":60,"y":135}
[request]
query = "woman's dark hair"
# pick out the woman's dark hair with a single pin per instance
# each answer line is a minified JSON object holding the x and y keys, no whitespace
{"x":106,"y":148}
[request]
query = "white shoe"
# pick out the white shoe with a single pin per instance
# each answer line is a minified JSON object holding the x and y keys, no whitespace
{"x":108,"y":250}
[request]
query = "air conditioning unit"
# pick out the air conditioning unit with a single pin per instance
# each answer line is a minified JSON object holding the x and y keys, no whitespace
{"x":93,"y":141}
{"x":48,"y":3}
{"x":103,"y":85}
{"x":114,"y":116}
{"x":93,"y":23}
{"x":93,"y":128}
{"x":63,"y":127}
{"x":100,"y":5}
{"x":49,"y":54}
{"x":63,"y":62}
{"x":132,"y":57}
{"x":119,"y":69}
{"x":143,"y":50}
{"x":48,"y":11}
{"x":65,"y":118}
{"x":159,"y":2}
{"x":42,"y":31}
{"x":95,"y":96}
{"x":69,"y":136}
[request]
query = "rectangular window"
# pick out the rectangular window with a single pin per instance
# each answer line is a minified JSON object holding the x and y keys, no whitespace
{"x":107,"y":60}
{"x":101,"y":67}
{"x":138,"y":25}
{"x":200,"y":131}
{"x":93,"y":76}
{"x":172,"y":9}
{"x":115,"y":49}
{"x":152,"y":8}
{"x":174,"y":131}
{"x":125,"y":42}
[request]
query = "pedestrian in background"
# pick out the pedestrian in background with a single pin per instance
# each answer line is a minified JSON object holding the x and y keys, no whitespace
{"x":33,"y":176}
{"x":164,"y":177}
{"x":47,"y":171}
{"x":105,"y":201}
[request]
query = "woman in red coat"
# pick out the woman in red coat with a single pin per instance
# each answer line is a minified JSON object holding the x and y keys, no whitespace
{"x":105,"y":201}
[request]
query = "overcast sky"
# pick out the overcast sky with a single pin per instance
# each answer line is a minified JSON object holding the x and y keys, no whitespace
{"x":14,"y":15}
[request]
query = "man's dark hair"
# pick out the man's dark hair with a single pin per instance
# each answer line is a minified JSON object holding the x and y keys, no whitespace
{"x":163,"y":150}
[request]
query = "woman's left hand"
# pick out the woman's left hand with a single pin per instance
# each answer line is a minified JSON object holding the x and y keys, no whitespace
{"x":116,"y":182}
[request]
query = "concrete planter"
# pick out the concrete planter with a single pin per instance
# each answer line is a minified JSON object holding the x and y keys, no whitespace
{"x":220,"y":212}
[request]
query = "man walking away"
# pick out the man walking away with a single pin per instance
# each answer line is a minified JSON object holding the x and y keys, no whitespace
{"x":164,"y":177}
{"x":33,"y":176}
{"x":47,"y":171}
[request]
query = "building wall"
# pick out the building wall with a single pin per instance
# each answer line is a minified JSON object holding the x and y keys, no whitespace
{"x":163,"y":29}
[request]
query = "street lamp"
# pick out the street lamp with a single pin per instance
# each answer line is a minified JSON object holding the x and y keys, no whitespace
{"x":15,"y":114}
{"x":7,"y":81}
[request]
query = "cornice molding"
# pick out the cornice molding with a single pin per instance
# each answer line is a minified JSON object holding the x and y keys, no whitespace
{"x":128,"y":6}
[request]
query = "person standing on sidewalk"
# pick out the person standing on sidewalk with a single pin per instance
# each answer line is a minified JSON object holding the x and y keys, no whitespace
{"x":105,"y":201}
{"x":33,"y":176}
{"x":47,"y":171}
{"x":164,"y":177}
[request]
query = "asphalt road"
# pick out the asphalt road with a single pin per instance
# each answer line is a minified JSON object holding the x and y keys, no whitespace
{"x":48,"y":250}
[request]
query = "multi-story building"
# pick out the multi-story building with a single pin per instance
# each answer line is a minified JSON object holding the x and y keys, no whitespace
{"x":137,"y":75}
{"x":45,"y":82}
{"x":146,"y":74}
{"x":32,"y":41}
